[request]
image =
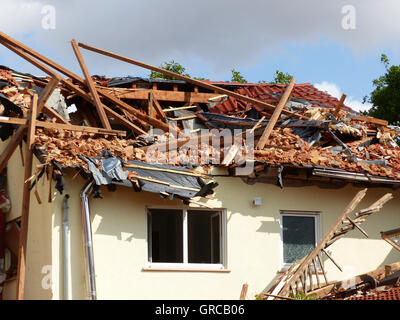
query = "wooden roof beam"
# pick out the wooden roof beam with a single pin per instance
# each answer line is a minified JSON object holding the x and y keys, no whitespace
{"x":91,"y":86}
{"x":275,"y":116}
{"x":185,"y":78}
{"x":26,"y":53}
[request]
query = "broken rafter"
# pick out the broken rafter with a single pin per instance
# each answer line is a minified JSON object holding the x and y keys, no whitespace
{"x":186,"y":78}
{"x":52,"y":114}
{"x":91,"y":86}
{"x":19,"y":134}
{"x":62,"y":126}
{"x":47,"y":92}
{"x":275,"y":116}
{"x":339,"y":105}
{"x":194,"y":174}
{"x":158,"y":107}
{"x":27,"y":53}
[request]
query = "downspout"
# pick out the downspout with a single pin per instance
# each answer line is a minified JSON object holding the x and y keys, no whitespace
{"x":66,"y":246}
{"x":88,"y":244}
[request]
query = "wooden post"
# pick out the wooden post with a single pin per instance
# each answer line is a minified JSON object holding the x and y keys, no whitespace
{"x":23,"y":236}
{"x":243,"y":293}
{"x":158,"y":108}
{"x":339,"y":105}
{"x":275,"y":116}
{"x":90,"y":85}
{"x":46,"y":93}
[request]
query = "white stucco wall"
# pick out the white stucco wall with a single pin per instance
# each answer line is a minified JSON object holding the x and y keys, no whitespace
{"x":253,"y":241}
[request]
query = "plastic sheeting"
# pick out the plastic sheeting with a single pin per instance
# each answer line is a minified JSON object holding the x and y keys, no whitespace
{"x":109,"y":170}
{"x":172,"y":179}
{"x":6,"y":129}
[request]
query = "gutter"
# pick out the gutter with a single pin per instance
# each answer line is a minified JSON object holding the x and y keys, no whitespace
{"x":353,"y":176}
{"x":88,"y":242}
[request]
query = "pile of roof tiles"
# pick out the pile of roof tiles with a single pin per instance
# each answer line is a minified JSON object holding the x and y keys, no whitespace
{"x":284,"y":146}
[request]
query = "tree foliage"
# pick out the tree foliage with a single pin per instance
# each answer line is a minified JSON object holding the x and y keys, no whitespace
{"x":280,"y":77}
{"x":386,"y":95}
{"x":170,"y":66}
{"x":237,"y":77}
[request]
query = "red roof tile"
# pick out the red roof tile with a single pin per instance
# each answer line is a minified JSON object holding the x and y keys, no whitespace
{"x":389,"y":294}
{"x":270,"y":93}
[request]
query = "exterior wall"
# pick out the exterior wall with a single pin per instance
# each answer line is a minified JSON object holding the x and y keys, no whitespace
{"x":40,"y":228}
{"x":253,"y":241}
{"x":120,"y":245}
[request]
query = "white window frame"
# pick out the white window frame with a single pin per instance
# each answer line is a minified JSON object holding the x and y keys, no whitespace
{"x":291,"y":213}
{"x":185,"y":265}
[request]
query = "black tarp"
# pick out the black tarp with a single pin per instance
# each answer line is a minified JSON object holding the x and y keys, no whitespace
{"x":220,"y":121}
{"x":173,"y":179}
{"x":6,"y":129}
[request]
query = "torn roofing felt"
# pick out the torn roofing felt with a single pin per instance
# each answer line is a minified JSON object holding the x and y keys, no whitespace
{"x":172,"y":183}
{"x":107,"y":170}
{"x":163,"y":182}
{"x":214,"y":120}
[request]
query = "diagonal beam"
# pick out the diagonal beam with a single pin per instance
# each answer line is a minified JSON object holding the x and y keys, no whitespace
{"x":46,"y":93}
{"x":51,"y":113}
{"x":19,"y":134}
{"x":186,"y":78}
{"x":26,"y":53}
{"x":339,"y":105}
{"x":90,"y":85}
{"x":275,"y":116}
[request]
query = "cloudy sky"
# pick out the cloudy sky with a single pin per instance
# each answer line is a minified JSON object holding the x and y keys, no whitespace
{"x":335,"y":45}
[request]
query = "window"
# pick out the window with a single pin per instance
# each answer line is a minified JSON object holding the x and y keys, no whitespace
{"x":186,"y":238}
{"x":300,"y":233}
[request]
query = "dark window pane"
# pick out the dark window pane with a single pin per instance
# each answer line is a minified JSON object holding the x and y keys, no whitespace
{"x":216,"y":238}
{"x":166,"y":235}
{"x":298,"y":237}
{"x":203,"y":237}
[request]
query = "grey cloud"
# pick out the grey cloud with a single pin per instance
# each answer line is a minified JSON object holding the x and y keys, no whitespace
{"x":220,"y":33}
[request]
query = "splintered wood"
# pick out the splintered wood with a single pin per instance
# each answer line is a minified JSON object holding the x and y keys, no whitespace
{"x":301,"y":275}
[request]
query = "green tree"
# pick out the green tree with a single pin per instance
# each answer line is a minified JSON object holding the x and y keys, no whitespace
{"x":280,"y":77}
{"x":170,"y":66}
{"x":237,"y":77}
{"x":386,"y":95}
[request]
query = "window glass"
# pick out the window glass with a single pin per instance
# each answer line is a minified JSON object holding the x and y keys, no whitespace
{"x":298,"y":237}
{"x":166,"y":229}
{"x":203,"y":237}
{"x":185,"y":236}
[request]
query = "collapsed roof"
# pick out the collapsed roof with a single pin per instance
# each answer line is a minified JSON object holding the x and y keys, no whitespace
{"x":285,"y":132}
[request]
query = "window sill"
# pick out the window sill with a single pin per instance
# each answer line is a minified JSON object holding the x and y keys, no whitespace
{"x":186,"y":268}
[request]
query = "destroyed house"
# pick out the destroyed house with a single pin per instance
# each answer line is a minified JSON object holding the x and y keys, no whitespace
{"x":137,"y":188}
